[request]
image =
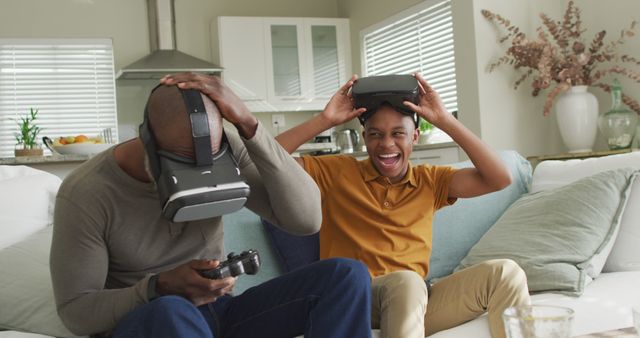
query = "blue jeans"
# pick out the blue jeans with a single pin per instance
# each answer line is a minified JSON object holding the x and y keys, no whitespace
{"x":327,"y":299}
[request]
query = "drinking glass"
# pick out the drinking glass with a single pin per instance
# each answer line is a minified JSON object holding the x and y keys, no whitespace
{"x":636,"y":318}
{"x":538,"y":321}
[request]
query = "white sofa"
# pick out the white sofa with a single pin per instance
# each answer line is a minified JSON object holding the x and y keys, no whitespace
{"x":26,"y":302}
{"x":607,"y":300}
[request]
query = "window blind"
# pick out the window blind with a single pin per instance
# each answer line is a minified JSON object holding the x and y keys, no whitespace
{"x":419,"y":39}
{"x":70,"y":82}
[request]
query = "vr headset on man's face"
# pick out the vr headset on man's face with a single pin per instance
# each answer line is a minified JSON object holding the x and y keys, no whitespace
{"x":192,"y":189}
{"x":373,"y":91}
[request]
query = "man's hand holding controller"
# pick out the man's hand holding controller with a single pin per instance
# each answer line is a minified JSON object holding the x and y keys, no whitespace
{"x":187,"y":280}
{"x":247,"y":262}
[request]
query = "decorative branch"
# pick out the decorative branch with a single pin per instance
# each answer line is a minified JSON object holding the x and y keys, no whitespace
{"x":558,"y":58}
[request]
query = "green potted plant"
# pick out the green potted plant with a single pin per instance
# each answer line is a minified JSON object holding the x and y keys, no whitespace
{"x":27,"y":136}
{"x":425,"y":131}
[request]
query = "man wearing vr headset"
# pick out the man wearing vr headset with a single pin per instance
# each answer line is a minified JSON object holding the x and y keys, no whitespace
{"x":380,"y":210}
{"x":123,"y":266}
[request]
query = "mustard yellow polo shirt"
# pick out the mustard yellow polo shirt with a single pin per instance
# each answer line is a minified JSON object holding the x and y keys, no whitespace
{"x":365,"y":217}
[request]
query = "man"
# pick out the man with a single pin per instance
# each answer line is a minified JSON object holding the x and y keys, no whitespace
{"x":111,"y":239}
{"x":380,"y":212}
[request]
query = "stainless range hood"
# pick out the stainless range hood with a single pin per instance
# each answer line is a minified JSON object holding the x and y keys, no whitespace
{"x":164,"y":57}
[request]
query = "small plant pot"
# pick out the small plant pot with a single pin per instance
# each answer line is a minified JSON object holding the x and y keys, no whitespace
{"x":424,"y":138}
{"x":28,"y":152}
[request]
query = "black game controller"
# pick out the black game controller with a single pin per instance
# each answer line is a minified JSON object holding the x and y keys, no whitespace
{"x":247,"y":262}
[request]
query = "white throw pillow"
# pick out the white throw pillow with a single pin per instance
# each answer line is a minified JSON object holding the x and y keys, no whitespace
{"x":26,"y":295}
{"x":625,"y":252}
{"x":26,"y":202}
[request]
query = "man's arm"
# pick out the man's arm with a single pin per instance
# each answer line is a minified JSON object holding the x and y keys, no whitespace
{"x":281,"y":191}
{"x":79,"y":264}
{"x":490,"y":174}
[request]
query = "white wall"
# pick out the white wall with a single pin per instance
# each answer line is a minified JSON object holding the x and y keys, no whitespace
{"x":510,"y":119}
{"x":505,"y":118}
{"x":125,"y":22}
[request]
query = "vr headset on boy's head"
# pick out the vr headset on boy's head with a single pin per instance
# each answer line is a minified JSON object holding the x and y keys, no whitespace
{"x":191,"y":189}
{"x":373,"y":91}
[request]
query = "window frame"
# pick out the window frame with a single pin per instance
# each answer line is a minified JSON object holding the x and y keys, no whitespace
{"x":86,"y":76}
{"x":399,"y":17}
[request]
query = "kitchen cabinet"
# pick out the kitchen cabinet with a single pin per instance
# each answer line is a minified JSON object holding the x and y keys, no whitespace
{"x":284,"y":64}
{"x":435,"y":154}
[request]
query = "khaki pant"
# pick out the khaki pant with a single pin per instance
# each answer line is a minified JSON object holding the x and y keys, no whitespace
{"x":400,"y":307}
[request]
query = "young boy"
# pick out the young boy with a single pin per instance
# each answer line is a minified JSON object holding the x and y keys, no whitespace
{"x":380,"y":211}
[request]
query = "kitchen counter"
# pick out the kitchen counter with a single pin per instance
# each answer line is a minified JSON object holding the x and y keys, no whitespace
{"x":61,"y":165}
{"x":306,"y":149}
{"x":416,"y":147}
{"x":27,"y":160}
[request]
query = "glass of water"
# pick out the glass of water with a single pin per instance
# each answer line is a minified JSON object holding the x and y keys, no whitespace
{"x":636,"y":318}
{"x":538,"y":321}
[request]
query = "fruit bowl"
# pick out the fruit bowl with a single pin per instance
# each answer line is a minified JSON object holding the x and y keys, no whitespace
{"x":84,"y":148}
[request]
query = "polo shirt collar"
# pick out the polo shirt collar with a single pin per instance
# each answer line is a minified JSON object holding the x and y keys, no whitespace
{"x":369,"y":173}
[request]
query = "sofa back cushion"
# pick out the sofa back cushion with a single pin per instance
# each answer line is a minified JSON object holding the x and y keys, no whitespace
{"x":458,"y":227}
{"x":555,"y":235}
{"x":26,"y":294}
{"x":293,"y":251}
{"x":243,"y":231}
{"x":26,"y":202}
{"x":625,"y":251}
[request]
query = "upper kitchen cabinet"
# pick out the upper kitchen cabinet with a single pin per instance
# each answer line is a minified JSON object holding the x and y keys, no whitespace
{"x":284,"y":64}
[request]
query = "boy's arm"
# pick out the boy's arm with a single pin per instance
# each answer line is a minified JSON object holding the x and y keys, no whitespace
{"x":489,"y":175}
{"x":339,"y":110}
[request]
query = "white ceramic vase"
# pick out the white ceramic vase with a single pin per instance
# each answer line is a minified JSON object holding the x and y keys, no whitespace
{"x":577,"y":117}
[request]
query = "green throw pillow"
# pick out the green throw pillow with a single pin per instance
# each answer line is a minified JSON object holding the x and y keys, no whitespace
{"x":554,"y":235}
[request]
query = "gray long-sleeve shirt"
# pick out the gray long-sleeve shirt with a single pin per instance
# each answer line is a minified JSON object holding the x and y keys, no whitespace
{"x":110,"y":237}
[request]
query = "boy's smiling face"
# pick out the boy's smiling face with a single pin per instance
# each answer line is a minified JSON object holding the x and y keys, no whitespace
{"x":389,"y":137}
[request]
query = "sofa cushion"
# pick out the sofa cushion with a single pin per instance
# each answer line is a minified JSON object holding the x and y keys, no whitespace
{"x":293,"y":251}
{"x":458,"y":227}
{"x":555,"y":234}
{"x":26,"y":294}
{"x":625,"y":253}
{"x":242,"y":231}
{"x":26,"y":202}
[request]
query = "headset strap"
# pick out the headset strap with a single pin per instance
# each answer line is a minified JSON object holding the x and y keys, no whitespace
{"x":199,"y":126}
{"x":149,"y":141}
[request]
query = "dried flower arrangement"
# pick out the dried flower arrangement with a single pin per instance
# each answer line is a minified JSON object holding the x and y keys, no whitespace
{"x":560,"y":58}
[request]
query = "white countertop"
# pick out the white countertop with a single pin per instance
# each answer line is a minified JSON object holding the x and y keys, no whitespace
{"x":43,"y":159}
{"x":310,"y":147}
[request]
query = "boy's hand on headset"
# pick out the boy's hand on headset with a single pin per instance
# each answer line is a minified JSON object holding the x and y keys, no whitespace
{"x":430,"y":106}
{"x":340,"y":108}
{"x":230,"y":105}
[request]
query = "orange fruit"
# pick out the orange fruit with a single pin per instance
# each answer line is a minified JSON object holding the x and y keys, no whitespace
{"x":81,"y":138}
